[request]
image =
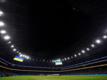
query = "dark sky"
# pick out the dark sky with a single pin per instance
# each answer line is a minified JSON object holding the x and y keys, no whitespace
{"x":55,"y":28}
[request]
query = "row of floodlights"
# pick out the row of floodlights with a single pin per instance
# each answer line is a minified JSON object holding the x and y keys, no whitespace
{"x":96,"y":42}
{"x":7,"y":37}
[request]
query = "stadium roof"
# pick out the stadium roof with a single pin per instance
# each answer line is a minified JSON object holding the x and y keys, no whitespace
{"x":47,"y":30}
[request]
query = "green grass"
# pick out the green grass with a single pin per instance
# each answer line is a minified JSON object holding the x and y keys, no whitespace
{"x":55,"y":78}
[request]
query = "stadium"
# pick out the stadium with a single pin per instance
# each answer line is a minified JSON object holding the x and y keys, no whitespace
{"x":53,"y":40}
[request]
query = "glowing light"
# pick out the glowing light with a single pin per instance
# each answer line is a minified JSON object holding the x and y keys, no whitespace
{"x":18,"y":59}
{"x":65,"y":59}
{"x":92,"y":45}
{"x":9,"y":42}
{"x":3,"y":32}
{"x":24,"y":56}
{"x":79,"y":54}
{"x":105,"y":37}
{"x":14,"y":49}
{"x":83,"y":51}
{"x":21,"y":55}
{"x":27,"y":57}
{"x":75,"y":55}
{"x":18,"y":52}
{"x":68,"y":58}
{"x":6,"y":37}
{"x":2,"y":24}
{"x":88,"y":49}
{"x":98,"y":41}
{"x":71,"y":57}
{"x":1,"y":13}
{"x":12,"y":46}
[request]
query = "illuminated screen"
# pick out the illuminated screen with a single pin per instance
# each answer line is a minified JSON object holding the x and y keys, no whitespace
{"x":58,"y":62}
{"x":18,"y":58}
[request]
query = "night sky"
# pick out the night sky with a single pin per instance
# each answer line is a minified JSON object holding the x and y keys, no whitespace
{"x":50,"y":29}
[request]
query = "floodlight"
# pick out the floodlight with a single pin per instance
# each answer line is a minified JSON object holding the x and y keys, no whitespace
{"x":12,"y":46}
{"x":17,"y":51}
{"x":9,"y":42}
{"x":27,"y":57}
{"x":2,"y":23}
{"x":68,"y":58}
{"x":88,"y":49}
{"x":71,"y":57}
{"x":65,"y":59}
{"x":14,"y":49}
{"x":105,"y":37}
{"x":98,"y":41}
{"x":1,"y":13}
{"x":6,"y":37}
{"x":83,"y":51}
{"x":75,"y":55}
{"x":79,"y":54}
{"x":21,"y":55}
{"x":92,"y":45}
{"x":3,"y":31}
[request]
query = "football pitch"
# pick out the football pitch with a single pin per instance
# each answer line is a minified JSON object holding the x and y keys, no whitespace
{"x":55,"y":78}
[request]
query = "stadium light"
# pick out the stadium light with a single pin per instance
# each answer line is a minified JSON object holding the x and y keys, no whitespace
{"x":6,"y":37}
{"x":68,"y":58}
{"x":71,"y":57}
{"x":1,"y":13}
{"x":21,"y":55}
{"x":105,"y":37}
{"x":88,"y":49}
{"x":92,"y":45}
{"x":12,"y":46}
{"x":9,"y":42}
{"x":18,"y":52}
{"x":75,"y":55}
{"x":79,"y":54}
{"x":27,"y":57}
{"x":14,"y":49}
{"x":65,"y":59}
{"x":98,"y":41}
{"x":3,"y":31}
{"x":83,"y":51}
{"x":2,"y":23}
